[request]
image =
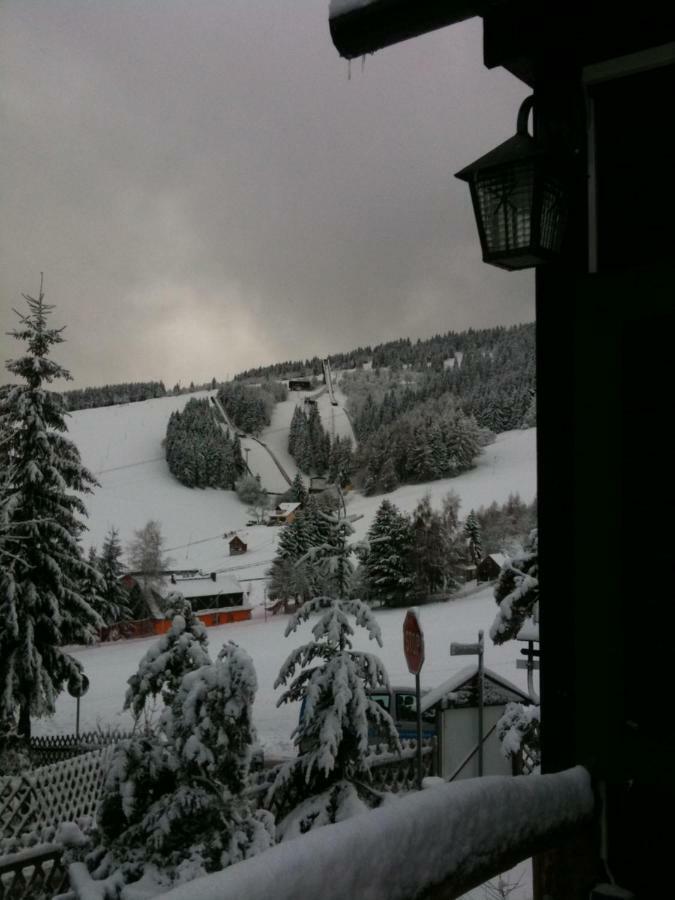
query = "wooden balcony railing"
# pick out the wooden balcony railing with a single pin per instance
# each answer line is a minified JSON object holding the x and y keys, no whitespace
{"x":435,"y":844}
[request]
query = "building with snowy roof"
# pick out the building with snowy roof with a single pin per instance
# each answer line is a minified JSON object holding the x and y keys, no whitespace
{"x":489,"y":568}
{"x":216,"y":597}
{"x":283,"y":513}
{"x":456,"y":705}
{"x":213,"y":590}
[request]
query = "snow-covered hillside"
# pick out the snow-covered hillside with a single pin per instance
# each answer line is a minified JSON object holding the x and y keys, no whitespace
{"x":123,"y":446}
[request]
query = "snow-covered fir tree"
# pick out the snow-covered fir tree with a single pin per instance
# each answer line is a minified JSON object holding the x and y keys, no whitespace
{"x":182,"y":649}
{"x":327,"y":782}
{"x":114,"y":595}
{"x":387,"y":562}
{"x":289,"y":576}
{"x":174,"y":805}
{"x":431,"y":556}
{"x":298,"y":491}
{"x":473,"y":537}
{"x":517,"y":592}
{"x":42,"y":606}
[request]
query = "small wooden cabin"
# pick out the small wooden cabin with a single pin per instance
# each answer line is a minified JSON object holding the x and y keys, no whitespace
{"x":237,"y":546}
{"x":488,"y":569}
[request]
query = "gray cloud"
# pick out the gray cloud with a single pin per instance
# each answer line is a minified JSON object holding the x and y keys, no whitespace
{"x":206,"y":190}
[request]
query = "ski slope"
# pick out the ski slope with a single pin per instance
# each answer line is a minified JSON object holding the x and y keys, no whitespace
{"x":275,"y":436}
{"x":122,"y":445}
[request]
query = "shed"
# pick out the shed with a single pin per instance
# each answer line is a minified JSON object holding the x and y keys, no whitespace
{"x":489,"y":568}
{"x":237,"y":546}
{"x":299,"y":384}
{"x":456,"y":702}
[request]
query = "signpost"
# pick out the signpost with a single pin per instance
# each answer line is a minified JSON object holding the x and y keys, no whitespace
{"x":475,"y":650}
{"x":413,"y":648}
{"x":78,"y":687}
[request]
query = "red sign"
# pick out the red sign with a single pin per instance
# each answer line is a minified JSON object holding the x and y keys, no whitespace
{"x":413,"y":642}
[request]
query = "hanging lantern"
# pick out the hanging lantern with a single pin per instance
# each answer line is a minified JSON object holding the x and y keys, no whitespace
{"x":519,"y":199}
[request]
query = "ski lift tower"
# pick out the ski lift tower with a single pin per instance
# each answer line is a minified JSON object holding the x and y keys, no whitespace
{"x":328,"y":378}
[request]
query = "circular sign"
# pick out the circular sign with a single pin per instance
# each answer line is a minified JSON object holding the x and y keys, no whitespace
{"x":413,"y":642}
{"x":78,"y":687}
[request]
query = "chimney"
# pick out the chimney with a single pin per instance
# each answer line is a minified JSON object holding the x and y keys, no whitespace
{"x":213,"y":576}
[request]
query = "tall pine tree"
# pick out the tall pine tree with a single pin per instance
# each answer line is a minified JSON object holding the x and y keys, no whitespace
{"x":42,"y":605}
{"x":325,"y":783}
{"x":387,"y":565}
{"x":115,"y":597}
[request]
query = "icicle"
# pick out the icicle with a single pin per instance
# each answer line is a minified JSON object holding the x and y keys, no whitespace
{"x":363,"y":63}
{"x":349,"y":70}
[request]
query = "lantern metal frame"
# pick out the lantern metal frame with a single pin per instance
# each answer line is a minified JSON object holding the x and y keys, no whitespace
{"x":519,"y":193}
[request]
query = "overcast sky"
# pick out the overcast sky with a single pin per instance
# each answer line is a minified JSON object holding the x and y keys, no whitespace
{"x":206,"y":190}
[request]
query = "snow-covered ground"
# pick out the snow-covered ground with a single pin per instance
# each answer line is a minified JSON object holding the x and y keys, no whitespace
{"x":108,"y":666}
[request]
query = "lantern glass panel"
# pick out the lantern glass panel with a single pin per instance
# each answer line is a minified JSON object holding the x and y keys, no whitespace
{"x":505,"y":206}
{"x":552,"y":214}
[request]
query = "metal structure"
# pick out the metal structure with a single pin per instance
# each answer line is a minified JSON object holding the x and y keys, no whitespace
{"x":413,"y":648}
{"x":476,"y":649}
{"x":328,"y":378}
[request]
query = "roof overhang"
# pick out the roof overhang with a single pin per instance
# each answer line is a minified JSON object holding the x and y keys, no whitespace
{"x":364,"y":26}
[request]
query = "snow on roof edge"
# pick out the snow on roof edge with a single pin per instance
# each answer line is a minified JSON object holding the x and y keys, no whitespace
{"x":459,"y":678}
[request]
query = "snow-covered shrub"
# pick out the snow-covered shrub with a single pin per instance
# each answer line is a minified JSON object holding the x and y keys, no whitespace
{"x":518,"y":731}
{"x":182,"y":649}
{"x":327,"y":782}
{"x":516,"y":592}
{"x":174,"y":803}
{"x":14,"y":756}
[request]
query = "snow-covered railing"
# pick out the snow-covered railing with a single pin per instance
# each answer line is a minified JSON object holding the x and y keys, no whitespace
{"x":447,"y":839}
{"x":36,"y":873}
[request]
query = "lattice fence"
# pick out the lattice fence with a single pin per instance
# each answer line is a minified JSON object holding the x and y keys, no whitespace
{"x":36,"y":874}
{"x":527,"y":760}
{"x":19,"y":807}
{"x":389,"y":771}
{"x":61,"y":792}
{"x":54,"y":748}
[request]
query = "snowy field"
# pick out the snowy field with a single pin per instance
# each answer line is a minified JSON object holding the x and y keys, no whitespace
{"x":108,"y":666}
